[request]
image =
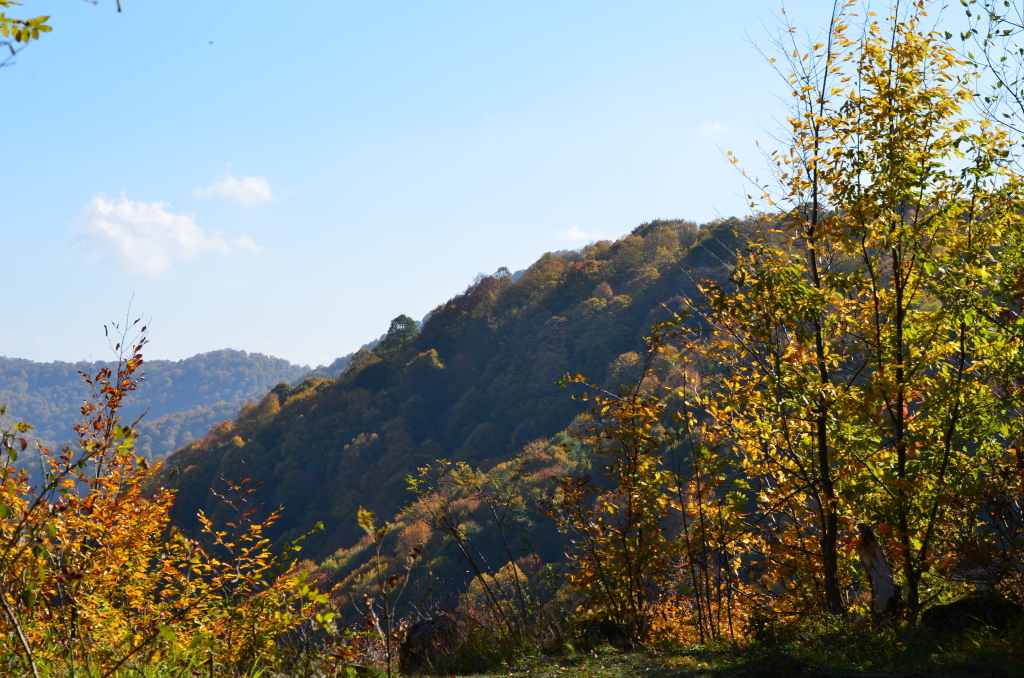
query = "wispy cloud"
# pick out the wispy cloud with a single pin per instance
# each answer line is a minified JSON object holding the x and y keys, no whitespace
{"x":713,"y":130}
{"x":248,"y":191}
{"x":575,"y":234}
{"x":144,"y":237}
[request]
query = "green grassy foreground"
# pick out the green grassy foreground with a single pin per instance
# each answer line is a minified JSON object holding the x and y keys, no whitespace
{"x":860,"y":653}
{"x":724,"y":664}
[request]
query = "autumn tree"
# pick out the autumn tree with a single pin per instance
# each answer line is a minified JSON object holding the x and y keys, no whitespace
{"x":858,"y":340}
{"x":94,"y":580}
{"x":992,"y":46}
{"x":17,"y":33}
{"x":620,"y":551}
{"x":403,"y":329}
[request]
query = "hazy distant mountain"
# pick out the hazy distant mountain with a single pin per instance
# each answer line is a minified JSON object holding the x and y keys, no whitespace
{"x":329,"y":371}
{"x":182,"y":399}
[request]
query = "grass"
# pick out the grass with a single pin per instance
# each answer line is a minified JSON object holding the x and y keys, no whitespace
{"x":736,"y":664}
{"x":841,"y":651}
{"x":824,"y":649}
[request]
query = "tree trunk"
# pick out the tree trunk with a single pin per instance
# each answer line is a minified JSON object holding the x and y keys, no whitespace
{"x":883,"y":588}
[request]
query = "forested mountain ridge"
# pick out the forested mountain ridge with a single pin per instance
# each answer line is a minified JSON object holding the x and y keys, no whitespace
{"x":182,"y":399}
{"x":476,"y":384}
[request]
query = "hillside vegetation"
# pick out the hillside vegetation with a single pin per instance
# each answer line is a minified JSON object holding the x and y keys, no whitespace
{"x":475,"y":385}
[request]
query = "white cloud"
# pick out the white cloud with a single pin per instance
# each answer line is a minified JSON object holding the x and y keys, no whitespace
{"x":575,"y":234}
{"x":245,"y":243}
{"x":713,"y":130}
{"x":144,"y":238}
{"x":248,"y":191}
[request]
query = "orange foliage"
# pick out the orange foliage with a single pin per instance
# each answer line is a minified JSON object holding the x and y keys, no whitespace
{"x":93,"y":578}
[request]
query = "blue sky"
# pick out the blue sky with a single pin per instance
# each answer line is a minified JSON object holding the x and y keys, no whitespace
{"x":288,"y":177}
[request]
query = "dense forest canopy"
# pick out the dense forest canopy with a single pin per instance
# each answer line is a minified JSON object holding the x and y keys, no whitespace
{"x":476,"y":384}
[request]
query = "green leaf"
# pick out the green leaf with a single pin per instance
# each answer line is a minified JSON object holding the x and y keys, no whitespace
{"x":366,"y":519}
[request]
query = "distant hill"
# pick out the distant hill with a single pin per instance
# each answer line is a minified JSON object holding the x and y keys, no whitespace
{"x":476,"y":384}
{"x":182,"y":398}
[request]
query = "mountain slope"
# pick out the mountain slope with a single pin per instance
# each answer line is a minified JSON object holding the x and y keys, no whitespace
{"x":476,"y":384}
